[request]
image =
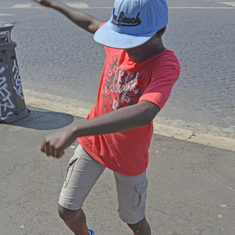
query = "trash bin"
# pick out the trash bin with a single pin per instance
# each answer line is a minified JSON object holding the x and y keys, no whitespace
{"x":12,"y":104}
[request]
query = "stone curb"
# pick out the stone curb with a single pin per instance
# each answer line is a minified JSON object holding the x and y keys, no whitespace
{"x":70,"y":106}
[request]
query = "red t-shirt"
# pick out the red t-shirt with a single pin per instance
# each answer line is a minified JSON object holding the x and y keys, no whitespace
{"x":123,"y":83}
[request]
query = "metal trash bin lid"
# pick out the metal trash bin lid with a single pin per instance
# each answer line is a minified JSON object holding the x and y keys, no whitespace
{"x":5,"y":32}
{"x":4,"y":25}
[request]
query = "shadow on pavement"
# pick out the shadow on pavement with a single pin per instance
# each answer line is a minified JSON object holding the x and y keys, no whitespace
{"x":40,"y":119}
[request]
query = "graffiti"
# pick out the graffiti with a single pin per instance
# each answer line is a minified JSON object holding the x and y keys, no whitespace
{"x":6,"y":103}
{"x":17,"y":81}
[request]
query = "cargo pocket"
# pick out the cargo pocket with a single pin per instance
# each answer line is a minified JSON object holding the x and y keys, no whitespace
{"x":139,"y":196}
{"x":69,"y":171}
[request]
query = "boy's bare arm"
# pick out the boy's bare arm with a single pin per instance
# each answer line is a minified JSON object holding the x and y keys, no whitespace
{"x":126,"y":118}
{"x":82,"y":19}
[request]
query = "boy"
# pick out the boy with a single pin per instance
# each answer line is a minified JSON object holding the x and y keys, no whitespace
{"x":136,"y":81}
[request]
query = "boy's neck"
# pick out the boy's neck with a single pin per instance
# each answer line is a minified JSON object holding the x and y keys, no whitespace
{"x":151,"y":48}
{"x":159,"y":48}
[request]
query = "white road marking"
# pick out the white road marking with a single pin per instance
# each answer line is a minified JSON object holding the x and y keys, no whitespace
{"x":6,"y":14}
{"x":22,"y":6}
{"x":203,"y":8}
{"x":78,"y":5}
{"x":229,"y":3}
{"x":82,"y":5}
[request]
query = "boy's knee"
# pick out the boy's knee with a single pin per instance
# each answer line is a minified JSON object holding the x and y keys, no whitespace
{"x":66,"y":214}
{"x":142,"y":227}
{"x":138,"y":226}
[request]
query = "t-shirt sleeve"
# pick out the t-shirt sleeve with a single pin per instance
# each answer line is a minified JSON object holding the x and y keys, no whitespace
{"x":102,"y":24}
{"x":162,"y":81}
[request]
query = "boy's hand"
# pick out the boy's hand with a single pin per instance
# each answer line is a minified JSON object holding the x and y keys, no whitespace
{"x":55,"y":143}
{"x":46,"y":3}
{"x":82,"y":19}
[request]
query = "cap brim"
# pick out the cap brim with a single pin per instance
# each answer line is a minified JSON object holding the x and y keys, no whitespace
{"x":106,"y":36}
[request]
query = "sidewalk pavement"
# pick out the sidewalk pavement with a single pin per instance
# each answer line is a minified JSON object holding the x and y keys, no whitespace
{"x":191,"y":185}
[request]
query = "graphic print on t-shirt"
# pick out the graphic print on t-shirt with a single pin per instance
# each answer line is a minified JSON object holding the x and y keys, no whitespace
{"x":120,"y":87}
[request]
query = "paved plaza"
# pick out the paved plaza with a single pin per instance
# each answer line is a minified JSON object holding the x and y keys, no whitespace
{"x":57,"y":57}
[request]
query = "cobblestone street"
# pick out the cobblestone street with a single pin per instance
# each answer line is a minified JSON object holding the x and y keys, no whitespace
{"x":57,"y":57}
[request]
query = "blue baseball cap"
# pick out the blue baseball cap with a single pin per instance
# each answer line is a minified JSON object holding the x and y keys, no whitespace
{"x":132,"y":23}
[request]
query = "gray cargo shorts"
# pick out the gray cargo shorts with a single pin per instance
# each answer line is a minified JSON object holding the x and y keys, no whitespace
{"x":83,"y":172}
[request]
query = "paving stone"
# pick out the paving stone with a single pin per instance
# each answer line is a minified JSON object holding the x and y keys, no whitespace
{"x":57,"y":57}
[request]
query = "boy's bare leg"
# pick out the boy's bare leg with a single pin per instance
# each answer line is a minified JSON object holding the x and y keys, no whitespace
{"x":141,"y":228}
{"x":75,"y":220}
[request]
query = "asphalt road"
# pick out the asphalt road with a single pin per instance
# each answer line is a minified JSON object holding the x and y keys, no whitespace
{"x":56,"y":57}
{"x":191,"y":186}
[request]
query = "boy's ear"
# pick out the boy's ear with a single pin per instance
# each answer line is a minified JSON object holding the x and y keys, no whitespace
{"x":160,"y":32}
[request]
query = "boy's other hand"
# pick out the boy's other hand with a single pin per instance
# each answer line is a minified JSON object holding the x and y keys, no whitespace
{"x":45,"y":3}
{"x":55,"y":143}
